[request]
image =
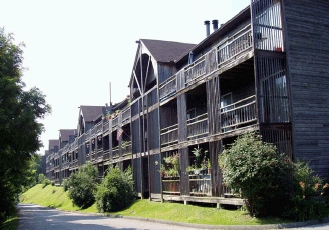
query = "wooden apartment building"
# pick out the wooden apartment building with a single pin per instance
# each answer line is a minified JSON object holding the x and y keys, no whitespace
{"x":264,"y":70}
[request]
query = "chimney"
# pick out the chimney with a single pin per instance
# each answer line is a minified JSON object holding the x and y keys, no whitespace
{"x":215,"y":25}
{"x":207,"y":23}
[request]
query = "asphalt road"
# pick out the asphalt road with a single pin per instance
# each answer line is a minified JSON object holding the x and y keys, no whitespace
{"x":34,"y":217}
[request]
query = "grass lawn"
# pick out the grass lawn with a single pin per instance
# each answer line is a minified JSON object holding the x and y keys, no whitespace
{"x":55,"y":197}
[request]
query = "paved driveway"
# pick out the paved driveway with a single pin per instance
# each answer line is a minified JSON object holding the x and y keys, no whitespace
{"x":34,"y":217}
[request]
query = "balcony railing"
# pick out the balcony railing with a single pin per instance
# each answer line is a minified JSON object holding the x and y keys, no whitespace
{"x":93,"y":131}
{"x":74,"y":163}
{"x":171,"y":186}
{"x":105,"y":126}
{"x":195,"y":70}
{"x":238,"y":114}
{"x":126,"y":115}
{"x":126,"y":149}
{"x":88,"y":135}
{"x":221,"y":55}
{"x":99,"y":127}
{"x":114,"y":122}
{"x":169,"y":135}
{"x":115,"y":152}
{"x":197,"y":127}
{"x":200,"y":185}
{"x":234,"y":46}
{"x":106,"y":155}
{"x":167,"y":88}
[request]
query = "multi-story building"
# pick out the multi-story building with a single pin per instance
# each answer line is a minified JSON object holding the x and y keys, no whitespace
{"x":264,"y":70}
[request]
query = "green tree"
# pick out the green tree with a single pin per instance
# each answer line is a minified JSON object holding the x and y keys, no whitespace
{"x":82,"y":186}
{"x":116,"y":190}
{"x":261,"y":174}
{"x":20,"y":130}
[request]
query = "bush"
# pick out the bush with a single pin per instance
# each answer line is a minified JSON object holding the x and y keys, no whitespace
{"x":66,"y":185}
{"x":261,"y":174}
{"x":116,"y":190}
{"x":46,"y":182}
{"x":41,"y":178}
{"x":83,"y":185}
{"x":309,"y":200}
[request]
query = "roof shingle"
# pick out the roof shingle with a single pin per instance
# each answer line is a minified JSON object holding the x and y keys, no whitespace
{"x":91,"y":113}
{"x":65,"y":133}
{"x":52,"y":144}
{"x":166,"y":51}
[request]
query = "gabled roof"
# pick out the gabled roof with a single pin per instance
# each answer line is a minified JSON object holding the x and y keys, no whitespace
{"x":91,"y":113}
{"x":65,"y":133}
{"x":166,"y":51}
{"x":53,"y":143}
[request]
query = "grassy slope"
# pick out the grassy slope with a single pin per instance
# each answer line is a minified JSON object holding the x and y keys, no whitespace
{"x":55,"y":197}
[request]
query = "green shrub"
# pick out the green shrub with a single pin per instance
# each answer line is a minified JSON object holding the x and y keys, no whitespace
{"x":116,"y":190}
{"x":254,"y":168}
{"x":46,"y":182}
{"x":83,"y":185}
{"x":309,"y":200}
{"x":66,"y":185}
{"x":41,"y":178}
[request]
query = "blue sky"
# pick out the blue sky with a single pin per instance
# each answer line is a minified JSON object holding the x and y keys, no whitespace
{"x":74,"y":48}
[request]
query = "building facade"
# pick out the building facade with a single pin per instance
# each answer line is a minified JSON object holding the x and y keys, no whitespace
{"x":264,"y":70}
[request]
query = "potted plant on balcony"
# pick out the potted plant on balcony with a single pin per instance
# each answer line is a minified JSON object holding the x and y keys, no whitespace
{"x":108,"y":116}
{"x":171,"y":167}
{"x":163,"y":171}
{"x":200,"y":163}
{"x":209,"y":166}
{"x":124,"y":144}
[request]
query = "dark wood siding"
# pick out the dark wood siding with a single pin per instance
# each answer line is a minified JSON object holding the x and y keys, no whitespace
{"x":153,"y":130}
{"x":307,"y":47}
{"x":213,"y":102}
{"x":154,"y":167}
{"x":135,"y":136}
{"x":164,"y":72}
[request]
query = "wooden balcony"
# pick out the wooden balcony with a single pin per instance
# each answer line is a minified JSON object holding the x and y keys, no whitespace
{"x":171,"y":186}
{"x":99,"y":155}
{"x":99,"y":128}
{"x":200,"y":185}
{"x":75,"y":145}
{"x":234,"y":47}
{"x":167,"y":88}
{"x":195,"y":71}
{"x":125,"y":115}
{"x":93,"y":131}
{"x":82,"y":139}
{"x":169,"y":136}
{"x":126,"y":150}
{"x":114,"y":122}
{"x":239,"y":114}
{"x":225,"y":55}
{"x":106,"y":155}
{"x":88,"y":135}
{"x":115,"y":152}
{"x":197,"y":127}
{"x":74,"y":164}
{"x":105,"y":127}
{"x":88,"y":157}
